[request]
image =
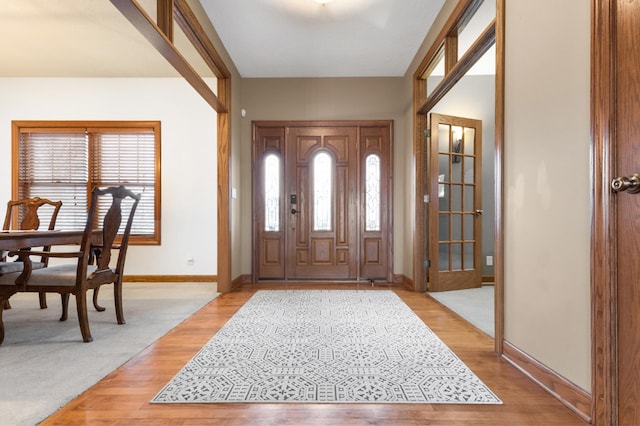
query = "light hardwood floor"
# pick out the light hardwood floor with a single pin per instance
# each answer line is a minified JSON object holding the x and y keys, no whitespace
{"x":122,"y":398}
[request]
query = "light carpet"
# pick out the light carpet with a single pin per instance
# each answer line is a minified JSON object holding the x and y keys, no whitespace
{"x":45,"y":363}
{"x":326,"y":346}
{"x":474,"y":305}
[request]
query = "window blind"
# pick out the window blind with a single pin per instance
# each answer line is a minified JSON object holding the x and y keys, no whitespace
{"x":65,"y":164}
{"x":120,"y":158}
{"x":54,"y":165}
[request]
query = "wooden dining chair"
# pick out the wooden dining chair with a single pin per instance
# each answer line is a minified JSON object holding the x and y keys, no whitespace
{"x":30,"y":220}
{"x":91,"y":267}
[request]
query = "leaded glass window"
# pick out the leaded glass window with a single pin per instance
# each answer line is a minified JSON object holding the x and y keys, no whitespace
{"x":372,"y":193}
{"x":322,"y":185}
{"x":272,"y":193}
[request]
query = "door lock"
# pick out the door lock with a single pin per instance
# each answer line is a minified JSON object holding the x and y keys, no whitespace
{"x":630,"y":184}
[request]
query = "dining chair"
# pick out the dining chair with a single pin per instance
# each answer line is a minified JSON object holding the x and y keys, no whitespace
{"x":30,"y":220}
{"x":92,"y":262}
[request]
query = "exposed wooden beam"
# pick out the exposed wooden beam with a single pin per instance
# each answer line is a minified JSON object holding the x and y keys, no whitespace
{"x":141,"y":20}
{"x":477,"y":49}
{"x":165,"y":17}
{"x":190,"y":25}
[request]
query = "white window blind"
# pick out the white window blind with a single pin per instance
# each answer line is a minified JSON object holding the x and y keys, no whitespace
{"x":54,"y":165}
{"x":126,"y":158}
{"x":66,"y":164}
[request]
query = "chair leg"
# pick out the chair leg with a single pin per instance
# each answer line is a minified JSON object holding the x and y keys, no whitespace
{"x":83,"y":318}
{"x":6,"y":304}
{"x":43,"y":300}
{"x":65,"y":306}
{"x":117,"y":296}
{"x":3,"y":302}
{"x":95,"y":300}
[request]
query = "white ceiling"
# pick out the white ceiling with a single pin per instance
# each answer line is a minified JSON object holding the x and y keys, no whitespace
{"x":78,"y":38}
{"x":302,"y":38}
{"x":265,"y":38}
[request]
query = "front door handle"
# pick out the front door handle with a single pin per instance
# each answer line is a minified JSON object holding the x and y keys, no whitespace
{"x":630,"y":184}
{"x":294,"y":211}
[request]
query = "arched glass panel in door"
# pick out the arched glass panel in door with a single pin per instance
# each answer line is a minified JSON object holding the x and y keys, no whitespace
{"x":322,"y":191}
{"x":372,"y":193}
{"x":272,"y":193}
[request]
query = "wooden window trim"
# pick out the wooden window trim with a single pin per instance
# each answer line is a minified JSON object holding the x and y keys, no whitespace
{"x":19,"y":127}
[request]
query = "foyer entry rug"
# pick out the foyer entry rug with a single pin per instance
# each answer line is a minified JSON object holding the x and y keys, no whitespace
{"x":326,"y":346}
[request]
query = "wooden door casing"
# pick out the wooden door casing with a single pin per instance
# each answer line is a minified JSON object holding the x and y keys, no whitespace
{"x":346,"y":251}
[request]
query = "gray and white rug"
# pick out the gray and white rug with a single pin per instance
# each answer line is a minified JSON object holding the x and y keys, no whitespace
{"x":326,"y":346}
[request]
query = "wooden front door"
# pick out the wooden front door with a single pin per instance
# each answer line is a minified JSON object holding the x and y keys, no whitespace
{"x":322,"y":200}
{"x":321,"y":174}
{"x":455,"y":213}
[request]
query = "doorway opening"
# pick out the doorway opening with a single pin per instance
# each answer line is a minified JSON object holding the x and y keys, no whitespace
{"x":322,"y":200}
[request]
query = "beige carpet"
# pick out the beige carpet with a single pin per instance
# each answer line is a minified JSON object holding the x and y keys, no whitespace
{"x":474,"y":304}
{"x":44,"y":362}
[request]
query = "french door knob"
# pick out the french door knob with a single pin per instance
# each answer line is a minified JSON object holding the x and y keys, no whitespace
{"x":630,"y":184}
{"x":294,"y":211}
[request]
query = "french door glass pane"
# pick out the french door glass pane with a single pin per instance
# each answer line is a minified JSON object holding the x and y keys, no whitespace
{"x":272,"y":193}
{"x":445,"y":227}
{"x":469,"y":198}
{"x":456,"y":227}
{"x":468,"y":227}
{"x":469,"y":140}
{"x":456,"y":257}
{"x":444,"y":260}
{"x":468,"y":256}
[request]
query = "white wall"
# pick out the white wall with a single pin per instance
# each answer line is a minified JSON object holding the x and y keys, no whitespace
{"x":547,"y":184}
{"x":188,"y":149}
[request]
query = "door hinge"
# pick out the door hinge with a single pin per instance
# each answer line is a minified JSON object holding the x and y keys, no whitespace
{"x":427,"y":133}
{"x":427,"y":263}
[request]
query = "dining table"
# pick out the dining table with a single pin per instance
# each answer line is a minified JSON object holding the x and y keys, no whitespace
{"x":19,"y":240}
{"x":13,"y":240}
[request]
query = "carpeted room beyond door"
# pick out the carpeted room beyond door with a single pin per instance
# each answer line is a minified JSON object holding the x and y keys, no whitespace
{"x":326,"y":346}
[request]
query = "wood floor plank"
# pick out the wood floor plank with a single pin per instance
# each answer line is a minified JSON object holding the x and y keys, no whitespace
{"x":122,"y":398}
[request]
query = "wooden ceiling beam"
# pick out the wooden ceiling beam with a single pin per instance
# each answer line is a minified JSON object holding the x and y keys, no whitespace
{"x":188,"y":22}
{"x":152,"y":32}
{"x":165,"y":17}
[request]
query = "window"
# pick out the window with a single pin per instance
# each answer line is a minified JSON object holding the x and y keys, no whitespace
{"x":66,"y":160}
{"x":272,"y":193}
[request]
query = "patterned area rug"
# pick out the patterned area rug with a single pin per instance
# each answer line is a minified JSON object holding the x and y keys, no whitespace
{"x":326,"y":346}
